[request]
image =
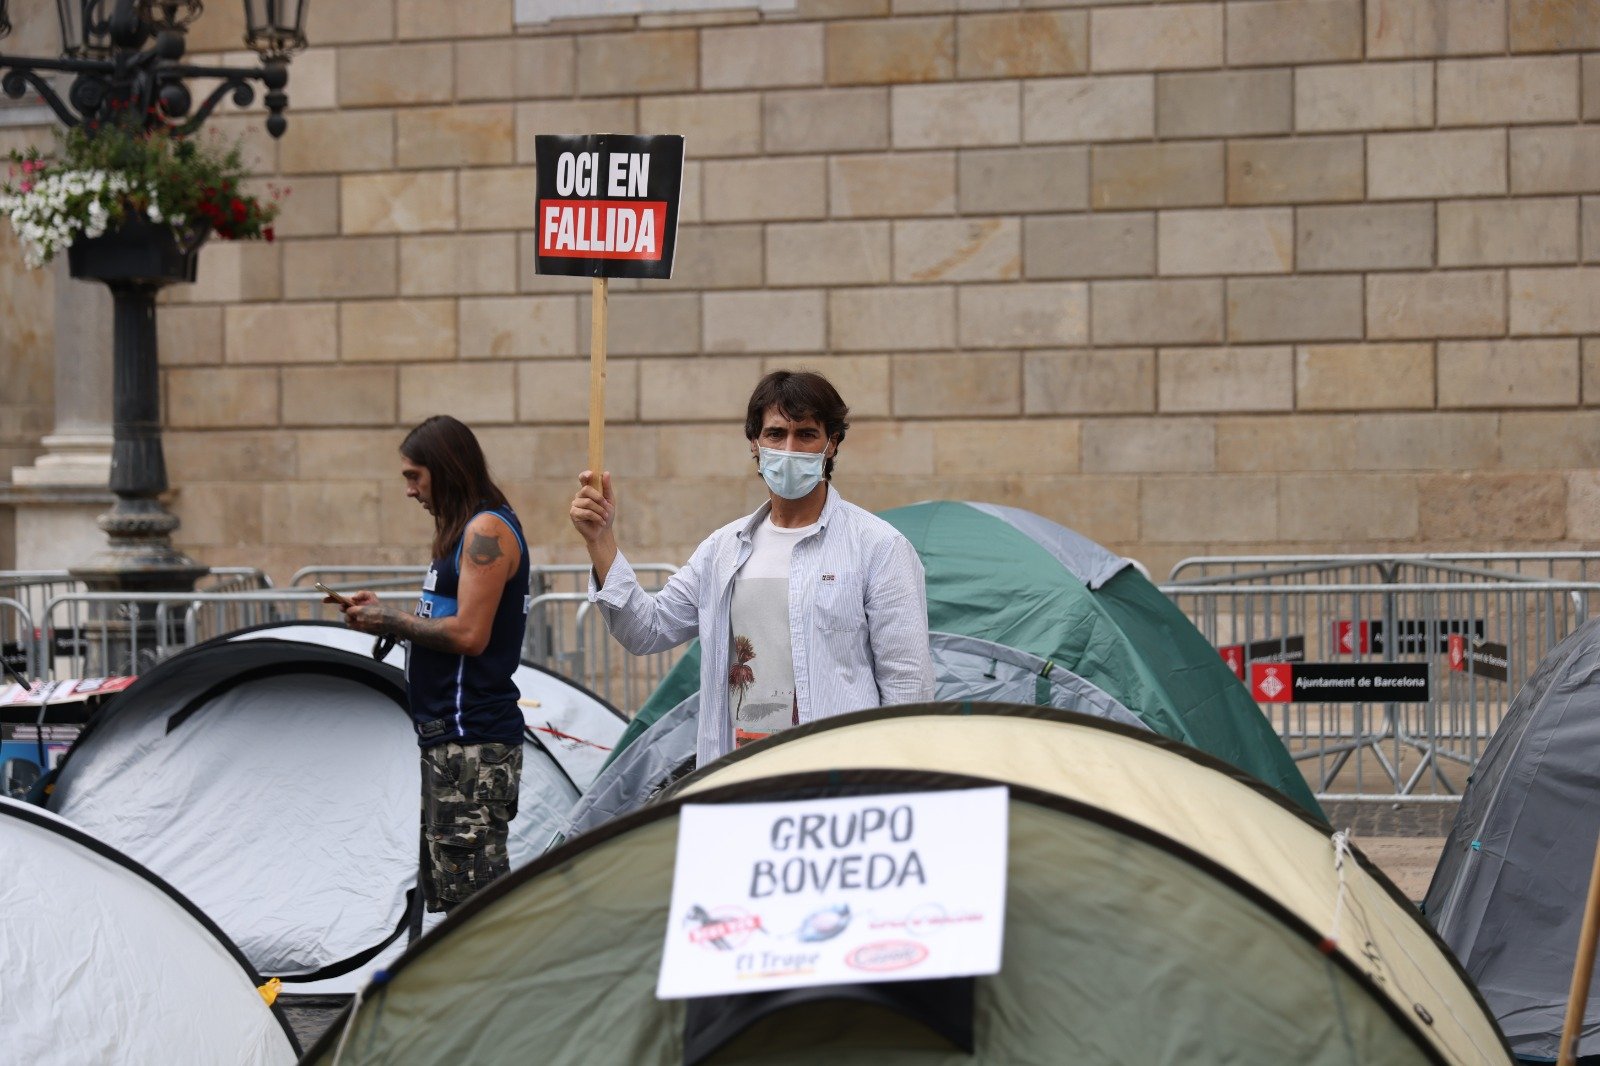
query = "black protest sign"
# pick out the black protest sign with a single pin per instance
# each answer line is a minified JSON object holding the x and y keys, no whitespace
{"x":607,"y":204}
{"x":1340,"y":682}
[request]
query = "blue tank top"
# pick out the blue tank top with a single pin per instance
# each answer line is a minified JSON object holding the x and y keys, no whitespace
{"x":470,"y":699}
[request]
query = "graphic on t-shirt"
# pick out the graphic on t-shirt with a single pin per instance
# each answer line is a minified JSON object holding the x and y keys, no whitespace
{"x":740,"y":676}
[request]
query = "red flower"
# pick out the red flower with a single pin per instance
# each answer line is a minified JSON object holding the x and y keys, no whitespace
{"x":238,"y":210}
{"x":269,"y":235}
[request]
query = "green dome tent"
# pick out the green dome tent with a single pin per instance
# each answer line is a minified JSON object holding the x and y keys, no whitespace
{"x":1159,"y":909}
{"x":1022,"y":609}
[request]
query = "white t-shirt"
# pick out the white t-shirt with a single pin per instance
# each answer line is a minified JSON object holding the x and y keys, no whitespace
{"x":761,"y":667}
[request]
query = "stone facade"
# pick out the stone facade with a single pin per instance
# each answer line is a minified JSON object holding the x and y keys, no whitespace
{"x":1209,"y":277}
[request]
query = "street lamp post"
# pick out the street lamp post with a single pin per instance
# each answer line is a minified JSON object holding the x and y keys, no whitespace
{"x":125,"y":57}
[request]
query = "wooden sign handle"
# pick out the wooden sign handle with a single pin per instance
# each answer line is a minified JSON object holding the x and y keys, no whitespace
{"x":597,"y":380}
{"x":1578,"y":997}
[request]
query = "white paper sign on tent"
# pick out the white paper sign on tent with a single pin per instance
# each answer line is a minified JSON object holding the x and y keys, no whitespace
{"x":894,"y":887}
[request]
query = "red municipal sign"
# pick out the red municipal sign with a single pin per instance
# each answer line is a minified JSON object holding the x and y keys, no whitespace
{"x":1480,"y":657}
{"x":1340,"y":682}
{"x":1272,"y":682}
{"x":1351,"y":637}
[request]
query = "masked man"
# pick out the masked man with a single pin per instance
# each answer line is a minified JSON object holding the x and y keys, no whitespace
{"x":807,"y":608}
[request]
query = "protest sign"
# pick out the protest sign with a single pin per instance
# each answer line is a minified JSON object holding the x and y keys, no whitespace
{"x":606,"y":206}
{"x":895,"y":887}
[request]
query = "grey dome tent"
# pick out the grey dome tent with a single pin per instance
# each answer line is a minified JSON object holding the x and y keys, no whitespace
{"x":1508,"y":893}
{"x":1021,"y":609}
{"x":102,"y":961}
{"x":577,"y":726}
{"x":276,"y":784}
{"x":1123,"y":943}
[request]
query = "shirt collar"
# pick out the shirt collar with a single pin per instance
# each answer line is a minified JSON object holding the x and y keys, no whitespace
{"x":830,"y":505}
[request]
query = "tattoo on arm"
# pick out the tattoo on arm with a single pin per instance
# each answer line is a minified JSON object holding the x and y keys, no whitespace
{"x":425,"y":631}
{"x":484,"y":550}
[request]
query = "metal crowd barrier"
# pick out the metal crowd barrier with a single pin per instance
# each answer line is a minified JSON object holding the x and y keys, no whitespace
{"x":565,"y":633}
{"x":38,"y":642}
{"x":51,"y":627}
{"x":19,"y":645}
{"x":95,"y":634}
{"x":1302,"y":631}
{"x":1580,"y":567}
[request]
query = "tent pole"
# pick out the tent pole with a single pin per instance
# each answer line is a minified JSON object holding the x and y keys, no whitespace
{"x":1578,"y":998}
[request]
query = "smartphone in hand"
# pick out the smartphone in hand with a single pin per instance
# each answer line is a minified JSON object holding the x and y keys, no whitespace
{"x":336,"y":597}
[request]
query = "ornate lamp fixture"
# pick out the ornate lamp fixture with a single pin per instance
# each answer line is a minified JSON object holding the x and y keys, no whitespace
{"x":128,"y":54}
{"x":125,"y":60}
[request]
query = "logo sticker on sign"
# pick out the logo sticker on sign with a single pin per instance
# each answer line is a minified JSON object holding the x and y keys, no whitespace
{"x":895,"y":887}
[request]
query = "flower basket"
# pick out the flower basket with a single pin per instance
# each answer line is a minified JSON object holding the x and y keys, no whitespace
{"x":130,"y":202}
{"x":138,"y":250}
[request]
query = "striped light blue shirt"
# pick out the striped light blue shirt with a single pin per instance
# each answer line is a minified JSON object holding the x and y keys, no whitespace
{"x":858,"y":617}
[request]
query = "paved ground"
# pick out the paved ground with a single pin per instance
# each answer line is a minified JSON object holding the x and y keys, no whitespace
{"x":310,"y":1015}
{"x":1404,"y":839}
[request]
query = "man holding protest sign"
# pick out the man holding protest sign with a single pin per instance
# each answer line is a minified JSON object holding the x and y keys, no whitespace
{"x":807,"y":608}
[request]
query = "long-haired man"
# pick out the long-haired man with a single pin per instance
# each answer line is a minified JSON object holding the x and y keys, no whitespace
{"x":464,"y":642}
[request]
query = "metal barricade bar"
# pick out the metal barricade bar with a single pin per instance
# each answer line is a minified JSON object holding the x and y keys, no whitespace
{"x":91,"y":634}
{"x":350,"y":578}
{"x":19,"y":641}
{"x":568,"y":635}
{"x":1580,"y":567}
{"x":1480,"y":638}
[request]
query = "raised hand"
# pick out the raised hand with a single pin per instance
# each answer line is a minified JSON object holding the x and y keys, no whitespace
{"x":594,"y":511}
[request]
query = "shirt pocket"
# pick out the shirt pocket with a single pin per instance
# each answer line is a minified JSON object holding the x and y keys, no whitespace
{"x":838,"y":607}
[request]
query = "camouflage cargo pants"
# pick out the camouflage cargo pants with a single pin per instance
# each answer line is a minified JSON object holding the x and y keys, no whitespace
{"x":469,"y":797}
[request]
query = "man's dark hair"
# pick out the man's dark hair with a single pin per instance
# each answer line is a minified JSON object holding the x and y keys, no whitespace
{"x":458,"y":477}
{"x":799,"y":394}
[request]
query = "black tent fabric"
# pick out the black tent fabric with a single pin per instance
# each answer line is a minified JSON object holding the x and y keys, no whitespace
{"x":1508,"y":893}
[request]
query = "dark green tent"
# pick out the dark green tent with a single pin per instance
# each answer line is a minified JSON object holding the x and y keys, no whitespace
{"x":1023,"y":609}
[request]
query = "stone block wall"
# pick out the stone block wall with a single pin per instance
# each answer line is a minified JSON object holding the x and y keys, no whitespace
{"x":27,"y":370}
{"x":1199,"y":277}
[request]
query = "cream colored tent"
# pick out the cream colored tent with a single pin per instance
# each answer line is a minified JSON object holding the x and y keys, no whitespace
{"x":1158,"y":910}
{"x":1185,"y":796}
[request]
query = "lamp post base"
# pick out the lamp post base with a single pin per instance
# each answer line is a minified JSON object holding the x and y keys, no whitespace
{"x":120,"y":638}
{"x":139,"y":556}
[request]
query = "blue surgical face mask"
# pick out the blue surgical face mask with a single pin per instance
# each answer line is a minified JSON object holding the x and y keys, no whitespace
{"x":791,"y":474}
